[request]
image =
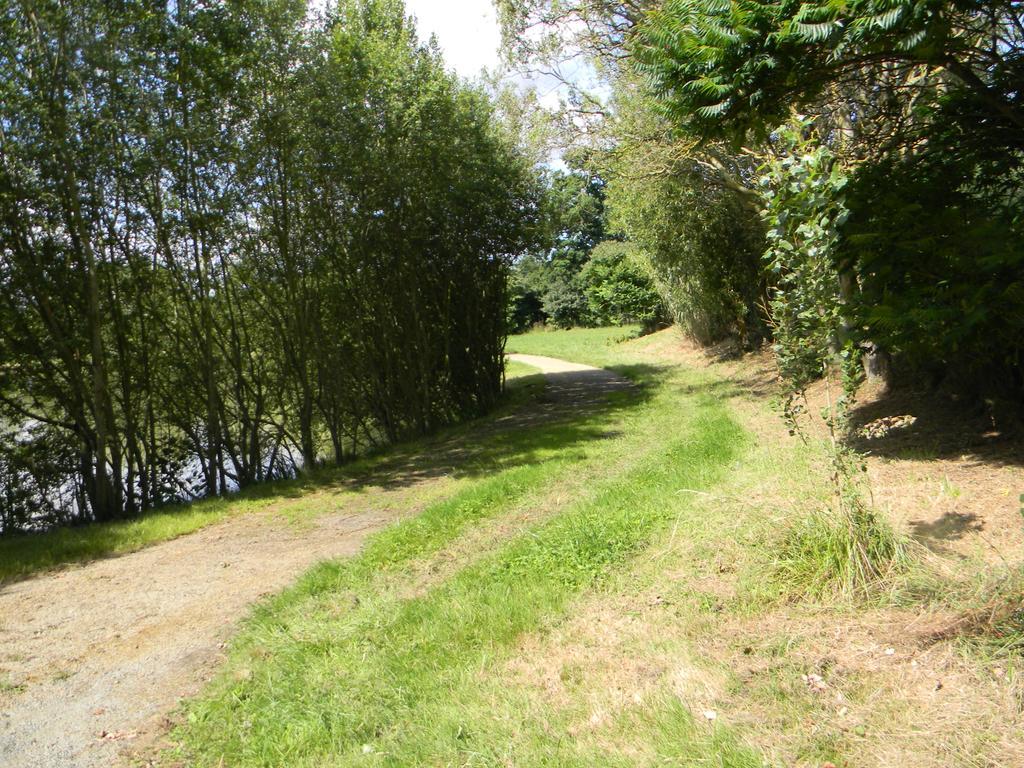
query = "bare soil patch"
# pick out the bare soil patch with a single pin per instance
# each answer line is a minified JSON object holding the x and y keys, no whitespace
{"x":101,"y":652}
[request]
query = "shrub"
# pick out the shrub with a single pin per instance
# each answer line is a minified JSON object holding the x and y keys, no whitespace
{"x":703,"y":243}
{"x":619,"y":287}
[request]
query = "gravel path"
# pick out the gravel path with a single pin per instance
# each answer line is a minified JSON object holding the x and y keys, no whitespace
{"x":99,"y":654}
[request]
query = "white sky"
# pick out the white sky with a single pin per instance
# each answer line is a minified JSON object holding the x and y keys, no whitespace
{"x":467,"y":31}
{"x":468,"y":34}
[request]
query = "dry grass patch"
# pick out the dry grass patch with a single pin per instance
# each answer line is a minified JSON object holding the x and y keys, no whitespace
{"x":932,"y":683}
{"x":872,"y":684}
{"x":617,"y":656}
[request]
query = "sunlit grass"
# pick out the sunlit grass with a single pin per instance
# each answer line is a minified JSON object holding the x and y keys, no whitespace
{"x":356,"y":666}
{"x":593,"y":346}
{"x":611,"y":594}
{"x":517,"y":370}
{"x":22,"y":555}
{"x":830,"y":553}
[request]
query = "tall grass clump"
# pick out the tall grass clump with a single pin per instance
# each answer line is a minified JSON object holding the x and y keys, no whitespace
{"x":1005,"y":629}
{"x":844,"y":548}
{"x":852,"y":552}
{"x":991,"y":622}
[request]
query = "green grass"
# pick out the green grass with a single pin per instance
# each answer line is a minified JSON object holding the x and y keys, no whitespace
{"x":587,"y":593}
{"x":368,"y":662}
{"x":23,"y":555}
{"x":8,"y":687}
{"x":27,"y":554}
{"x":993,"y":616}
{"x":516,"y":370}
{"x":593,"y":346}
{"x":852,"y":553}
{"x":575,"y":592}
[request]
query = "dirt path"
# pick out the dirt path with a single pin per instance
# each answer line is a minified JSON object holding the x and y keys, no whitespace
{"x":573,"y":383}
{"x":100,"y":653}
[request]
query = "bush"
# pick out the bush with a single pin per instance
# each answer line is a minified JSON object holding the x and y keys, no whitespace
{"x":804,"y":207}
{"x":619,"y":287}
{"x":565,"y":302}
{"x":703,"y":243}
{"x":937,"y":238}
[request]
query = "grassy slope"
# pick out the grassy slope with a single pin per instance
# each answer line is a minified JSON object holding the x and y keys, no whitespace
{"x":23,"y":555}
{"x":399,"y":656}
{"x":605,"y":599}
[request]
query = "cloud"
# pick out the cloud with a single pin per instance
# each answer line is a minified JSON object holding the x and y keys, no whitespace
{"x":467,"y":31}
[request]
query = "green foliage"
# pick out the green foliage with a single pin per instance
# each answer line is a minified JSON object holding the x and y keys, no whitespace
{"x":575,"y":203}
{"x":921,"y":103}
{"x":703,"y":243}
{"x":525,"y":308}
{"x":724,"y":69}
{"x":619,"y":287}
{"x":234,"y":244}
{"x":565,"y":300}
{"x":937,"y":240}
{"x":580,"y":281}
{"x":846,"y":548}
{"x":527,"y":283}
{"x":804,"y":208}
{"x":576,"y":207}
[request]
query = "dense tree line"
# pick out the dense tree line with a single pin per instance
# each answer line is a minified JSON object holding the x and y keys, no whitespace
{"x":844,"y":177}
{"x":236,"y":240}
{"x":585,"y":275}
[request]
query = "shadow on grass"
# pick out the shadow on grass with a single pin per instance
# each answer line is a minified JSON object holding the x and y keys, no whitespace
{"x":734,"y":387}
{"x":542,"y":416}
{"x":573,"y":408}
{"x":939,"y":428}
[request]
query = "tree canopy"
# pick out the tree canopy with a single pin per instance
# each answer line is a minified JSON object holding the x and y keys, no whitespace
{"x":868,"y":153}
{"x":235,"y":241}
{"x":725,"y":68}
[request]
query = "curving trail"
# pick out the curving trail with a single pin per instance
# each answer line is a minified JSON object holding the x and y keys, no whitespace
{"x":574,"y":383}
{"x":93,"y":657}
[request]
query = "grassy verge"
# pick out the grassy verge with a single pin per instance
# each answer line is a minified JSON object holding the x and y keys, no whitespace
{"x":608,"y":592}
{"x":516,"y":370}
{"x":358,"y":665}
{"x":594,"y":346}
{"x":24,"y":555}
